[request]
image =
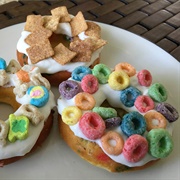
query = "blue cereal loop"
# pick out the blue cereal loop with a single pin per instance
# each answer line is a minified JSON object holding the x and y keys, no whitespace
{"x":133,"y":123}
{"x":39,"y":95}
{"x":79,"y":72}
{"x":129,"y":95}
{"x":2,"y":63}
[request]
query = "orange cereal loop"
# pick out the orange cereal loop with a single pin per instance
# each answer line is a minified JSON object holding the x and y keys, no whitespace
{"x":155,"y":120}
{"x":128,"y":68}
{"x":84,"y":101}
{"x":112,"y":148}
{"x":23,"y":76}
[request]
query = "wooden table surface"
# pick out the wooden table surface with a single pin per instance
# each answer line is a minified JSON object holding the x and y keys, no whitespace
{"x":156,"y":20}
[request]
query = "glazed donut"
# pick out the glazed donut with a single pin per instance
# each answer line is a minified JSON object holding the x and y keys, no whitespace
{"x":28,"y":126}
{"x":98,"y":145}
{"x":58,"y":43}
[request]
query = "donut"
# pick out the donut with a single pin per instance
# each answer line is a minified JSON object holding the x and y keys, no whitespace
{"x":58,"y":43}
{"x":29,"y":125}
{"x":121,"y":138}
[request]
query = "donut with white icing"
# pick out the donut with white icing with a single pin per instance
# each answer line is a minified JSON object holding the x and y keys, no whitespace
{"x":69,"y":40}
{"x":30,"y":124}
{"x":111,"y":108}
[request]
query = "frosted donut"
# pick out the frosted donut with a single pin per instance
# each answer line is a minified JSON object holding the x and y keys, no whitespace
{"x":63,"y":42}
{"x":118,"y":117}
{"x":29,"y":125}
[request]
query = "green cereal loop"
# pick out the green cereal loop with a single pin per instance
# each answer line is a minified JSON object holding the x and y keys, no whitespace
{"x":160,"y":143}
{"x":105,"y":112}
{"x":102,"y":72}
{"x":157,"y":92}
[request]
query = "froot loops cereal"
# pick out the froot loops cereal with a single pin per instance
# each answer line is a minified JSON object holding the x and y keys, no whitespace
{"x":125,"y":140}
{"x":32,"y":100}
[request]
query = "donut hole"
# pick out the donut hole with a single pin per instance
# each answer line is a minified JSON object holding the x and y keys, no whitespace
{"x":8,"y":103}
{"x":55,"y":39}
{"x":6,"y":109}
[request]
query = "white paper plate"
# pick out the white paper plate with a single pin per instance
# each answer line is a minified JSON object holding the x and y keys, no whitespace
{"x":55,"y":160}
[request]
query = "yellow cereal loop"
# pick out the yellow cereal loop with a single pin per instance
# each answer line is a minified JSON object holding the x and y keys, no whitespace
{"x":118,"y":80}
{"x":71,"y":115}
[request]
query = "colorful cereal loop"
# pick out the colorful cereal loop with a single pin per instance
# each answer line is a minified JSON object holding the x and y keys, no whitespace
{"x":155,"y":120}
{"x":71,"y":115}
{"x":105,"y":112}
{"x":128,"y":68}
{"x":144,"y":103}
{"x":68,"y":89}
{"x":39,"y":95}
{"x":129,"y":95}
{"x":118,"y":80}
{"x":89,"y":84}
{"x":102,"y":72}
{"x":160,"y":143}
{"x":144,"y":78}
{"x":168,"y":111}
{"x":92,"y":125}
{"x":135,"y":148}
{"x":157,"y":92}
{"x":84,"y":101}
{"x":112,"y":143}
{"x":133,"y":123}
{"x":79,"y":72}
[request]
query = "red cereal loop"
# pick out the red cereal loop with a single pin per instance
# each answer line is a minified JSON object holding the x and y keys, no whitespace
{"x":144,"y":78}
{"x":89,"y":84}
{"x":135,"y":148}
{"x":113,"y":148}
{"x":144,"y":103}
{"x":84,"y":101}
{"x":128,"y":68}
{"x":92,"y":125}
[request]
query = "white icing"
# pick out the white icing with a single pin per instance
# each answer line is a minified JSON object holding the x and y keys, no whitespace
{"x":64,"y":28}
{"x":22,"y":147}
{"x":105,"y":92}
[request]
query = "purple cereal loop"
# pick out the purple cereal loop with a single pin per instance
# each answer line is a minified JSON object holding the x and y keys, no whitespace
{"x":68,"y":89}
{"x":112,"y":122}
{"x":168,"y":111}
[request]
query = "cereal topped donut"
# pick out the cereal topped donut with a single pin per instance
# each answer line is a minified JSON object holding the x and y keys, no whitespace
{"x":117,"y":119}
{"x":58,"y":43}
{"x":29,"y":94}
